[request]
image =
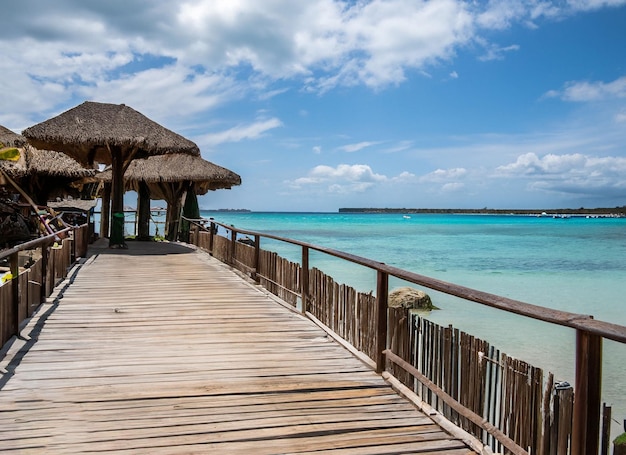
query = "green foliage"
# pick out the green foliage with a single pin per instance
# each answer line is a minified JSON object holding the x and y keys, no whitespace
{"x":9,"y":154}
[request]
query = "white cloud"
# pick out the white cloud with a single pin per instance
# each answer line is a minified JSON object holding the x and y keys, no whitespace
{"x":404,"y":177}
{"x":531,"y":164}
{"x":500,"y":14}
{"x":241,"y":132}
{"x":444,"y":175}
{"x":194,"y":93}
{"x":344,"y":178}
{"x":493,"y":52}
{"x":569,"y":173}
{"x":55,"y":54}
{"x":582,"y":91}
{"x":353,"y":179}
{"x":399,"y":147}
{"x":586,"y":5}
{"x":453,"y":187}
{"x":352,"y":173}
{"x":392,"y":36}
{"x":350,"y":148}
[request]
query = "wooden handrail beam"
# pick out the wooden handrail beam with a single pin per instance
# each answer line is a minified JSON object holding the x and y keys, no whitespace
{"x":33,"y":243}
{"x":576,"y":321}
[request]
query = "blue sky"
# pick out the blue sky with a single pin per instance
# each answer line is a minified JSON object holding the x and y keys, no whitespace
{"x":322,"y":104}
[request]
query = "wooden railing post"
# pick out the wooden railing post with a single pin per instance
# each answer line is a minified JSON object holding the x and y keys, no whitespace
{"x":233,"y":243}
{"x":15,"y":272}
{"x":606,"y":429}
{"x":212,"y":231}
{"x":586,"y":430}
{"x":257,"y":258}
{"x":45,"y":257}
{"x":304,"y":279}
{"x":382,"y":291}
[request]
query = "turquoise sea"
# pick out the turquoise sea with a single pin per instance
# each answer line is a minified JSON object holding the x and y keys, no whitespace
{"x":573,"y":264}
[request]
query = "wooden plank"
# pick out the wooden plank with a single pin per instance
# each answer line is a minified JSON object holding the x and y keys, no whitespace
{"x":172,"y":353}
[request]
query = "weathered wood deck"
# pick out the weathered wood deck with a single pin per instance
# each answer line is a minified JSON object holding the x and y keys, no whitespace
{"x":160,"y":349}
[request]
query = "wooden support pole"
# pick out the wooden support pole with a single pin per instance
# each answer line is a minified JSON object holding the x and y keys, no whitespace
{"x":143,"y":212}
{"x":382,"y":291}
{"x":105,"y":212}
{"x":304,"y":279}
{"x":586,"y":427}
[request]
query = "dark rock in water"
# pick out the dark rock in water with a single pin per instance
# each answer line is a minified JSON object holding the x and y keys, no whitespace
{"x":407,"y":297}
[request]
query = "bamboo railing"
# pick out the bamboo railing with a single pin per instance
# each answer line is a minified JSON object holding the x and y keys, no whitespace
{"x":506,"y":403}
{"x":29,"y":287}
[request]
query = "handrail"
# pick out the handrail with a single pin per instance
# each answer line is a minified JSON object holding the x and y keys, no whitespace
{"x":33,"y":243}
{"x":53,"y":265}
{"x":589,"y":332}
{"x":585,"y":323}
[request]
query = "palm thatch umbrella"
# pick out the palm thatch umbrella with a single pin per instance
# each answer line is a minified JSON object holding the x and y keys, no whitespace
{"x":43,"y":174}
{"x":169,"y":177}
{"x":10,"y":139}
{"x":14,"y":169}
{"x":110,"y":134}
{"x":51,"y":174}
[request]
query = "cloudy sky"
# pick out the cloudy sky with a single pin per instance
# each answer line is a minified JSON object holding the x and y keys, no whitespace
{"x":321,"y":104}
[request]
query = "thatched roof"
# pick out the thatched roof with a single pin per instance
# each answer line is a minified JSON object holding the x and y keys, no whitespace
{"x":73,"y":204}
{"x":176,"y":168}
{"x":54,"y":164}
{"x":10,"y":139}
{"x":88,"y":131}
{"x":14,"y":169}
{"x":40,"y":172}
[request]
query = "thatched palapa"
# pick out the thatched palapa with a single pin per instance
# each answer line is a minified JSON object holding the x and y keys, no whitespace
{"x":14,"y":169}
{"x":41,"y":173}
{"x":50,"y":174}
{"x":169,"y":177}
{"x":179,"y":169}
{"x":111,"y":134}
{"x":91,"y":131}
{"x":10,"y":139}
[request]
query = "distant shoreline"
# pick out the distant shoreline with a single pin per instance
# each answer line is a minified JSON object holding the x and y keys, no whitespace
{"x":617,"y":211}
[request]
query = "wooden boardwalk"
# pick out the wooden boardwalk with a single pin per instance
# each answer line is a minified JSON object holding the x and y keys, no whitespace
{"x":160,"y":349}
